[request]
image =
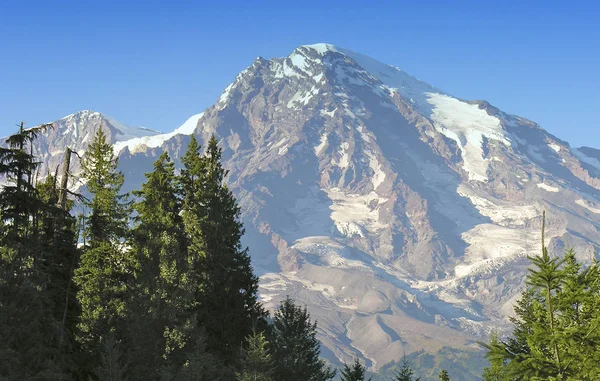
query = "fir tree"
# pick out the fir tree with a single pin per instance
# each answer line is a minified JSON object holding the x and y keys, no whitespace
{"x":29,"y":332}
{"x":157,"y":299}
{"x":555,"y":333}
{"x":497,"y":369}
{"x":354,"y":372}
{"x":112,"y":366}
{"x":443,"y":376}
{"x":105,"y":267}
{"x":228,"y":288}
{"x":295,"y":346}
{"x":257,"y":361}
{"x":405,"y":372}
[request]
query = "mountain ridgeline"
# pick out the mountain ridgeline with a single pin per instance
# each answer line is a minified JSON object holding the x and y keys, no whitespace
{"x":401,"y":216}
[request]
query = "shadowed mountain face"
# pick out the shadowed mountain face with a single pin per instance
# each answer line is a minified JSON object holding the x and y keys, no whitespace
{"x":400,"y":215}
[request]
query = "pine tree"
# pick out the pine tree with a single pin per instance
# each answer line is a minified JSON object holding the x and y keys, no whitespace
{"x":105,"y":266}
{"x":228,"y":288}
{"x":354,"y":372}
{"x":257,"y":361}
{"x":405,"y":372}
{"x":295,"y":346}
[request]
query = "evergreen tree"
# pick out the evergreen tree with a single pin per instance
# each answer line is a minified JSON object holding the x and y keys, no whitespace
{"x":19,"y":199}
{"x":443,"y":376}
{"x":112,"y":366}
{"x":58,"y":237}
{"x":157,"y":300}
{"x":30,"y":325}
{"x":227,"y":293}
{"x":556,"y":325}
{"x":354,"y":372}
{"x":295,"y":346}
{"x":405,"y":372}
{"x":497,"y":369}
{"x":200,"y":365}
{"x":105,"y":266}
{"x":257,"y":362}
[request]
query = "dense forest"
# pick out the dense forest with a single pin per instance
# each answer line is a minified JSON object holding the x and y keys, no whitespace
{"x":156,"y":285}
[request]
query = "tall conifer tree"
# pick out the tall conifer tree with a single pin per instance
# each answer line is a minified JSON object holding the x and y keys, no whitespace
{"x":228,"y":288}
{"x":354,"y":372}
{"x":296,"y":349}
{"x":104,"y":270}
{"x":158,"y":297}
{"x":29,"y":333}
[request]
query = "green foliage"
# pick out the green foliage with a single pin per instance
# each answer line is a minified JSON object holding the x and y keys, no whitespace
{"x":295,"y":346}
{"x":227,"y":287}
{"x":109,"y":212}
{"x":497,"y":369}
{"x":32,"y":270}
{"x":257,"y":361}
{"x":405,"y":371}
{"x":158,"y":297}
{"x":112,"y":365}
{"x":555,"y":334}
{"x":354,"y":372}
{"x":105,"y":267}
{"x":444,"y":376}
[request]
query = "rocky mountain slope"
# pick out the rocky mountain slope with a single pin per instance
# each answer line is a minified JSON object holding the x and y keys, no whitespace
{"x":400,"y":215}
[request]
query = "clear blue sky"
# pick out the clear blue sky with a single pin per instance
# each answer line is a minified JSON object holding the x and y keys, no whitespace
{"x":155,"y":63}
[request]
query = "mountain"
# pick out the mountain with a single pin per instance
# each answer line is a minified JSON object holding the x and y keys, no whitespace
{"x":400,"y":215}
{"x":76,"y":131}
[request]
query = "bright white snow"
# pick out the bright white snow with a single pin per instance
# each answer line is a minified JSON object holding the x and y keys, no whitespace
{"x":501,"y":212}
{"x":548,"y":188}
{"x":354,"y":214}
{"x":135,"y":144}
{"x":585,"y":205}
{"x":467,"y":124}
{"x":554,"y":146}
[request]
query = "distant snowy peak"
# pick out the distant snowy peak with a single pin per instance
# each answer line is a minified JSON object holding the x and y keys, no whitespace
{"x":78,"y":127}
{"x":154,"y":141}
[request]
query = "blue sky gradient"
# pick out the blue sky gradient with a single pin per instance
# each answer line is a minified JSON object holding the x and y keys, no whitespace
{"x":155,"y":63}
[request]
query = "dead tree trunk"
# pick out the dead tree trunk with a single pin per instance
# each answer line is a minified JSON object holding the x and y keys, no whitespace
{"x":62,"y":199}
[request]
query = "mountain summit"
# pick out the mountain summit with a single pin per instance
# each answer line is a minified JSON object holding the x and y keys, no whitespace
{"x":400,"y":215}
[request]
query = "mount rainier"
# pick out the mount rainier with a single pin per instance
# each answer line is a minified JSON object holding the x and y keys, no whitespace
{"x":400,"y":215}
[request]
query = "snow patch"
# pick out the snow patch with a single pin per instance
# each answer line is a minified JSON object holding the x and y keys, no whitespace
{"x":582,"y":202}
{"x":378,"y":175}
{"x":136,"y":144}
{"x":322,"y":48}
{"x":322,"y":144}
{"x":547,"y":187}
{"x":501,"y":212}
{"x":586,"y":159}
{"x":490,"y":246}
{"x":355,"y":214}
{"x":554,"y":146}
{"x":328,"y":113}
{"x":344,"y":160}
{"x":301,"y":98}
{"x":467,"y":125}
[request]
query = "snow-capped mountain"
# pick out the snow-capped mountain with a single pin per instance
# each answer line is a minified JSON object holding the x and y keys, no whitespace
{"x":401,"y":215}
{"x":76,"y":131}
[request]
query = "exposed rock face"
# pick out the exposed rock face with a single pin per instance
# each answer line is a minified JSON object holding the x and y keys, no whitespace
{"x":400,"y":215}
